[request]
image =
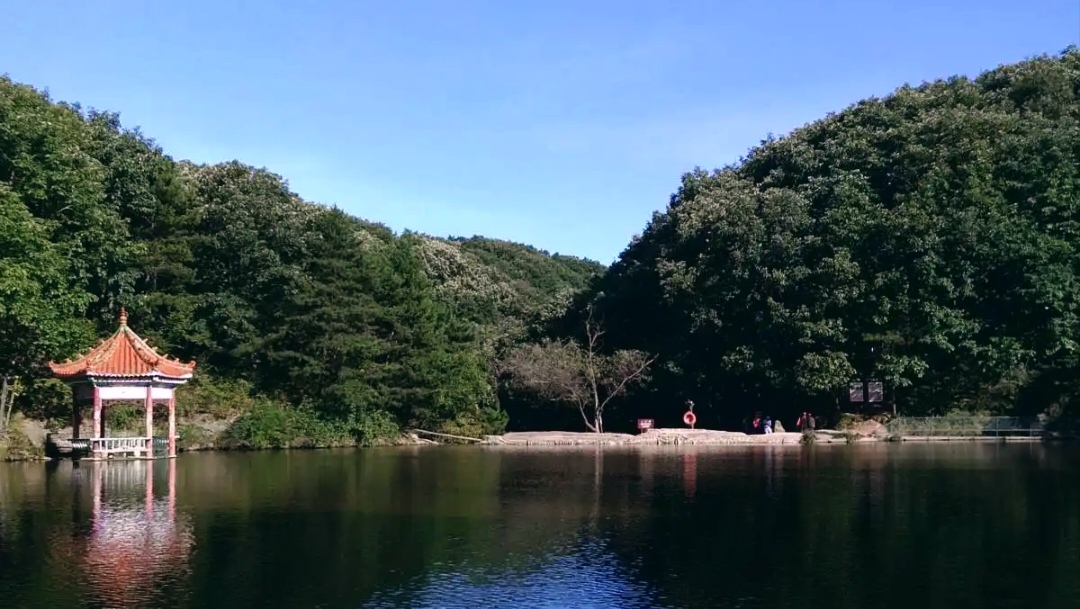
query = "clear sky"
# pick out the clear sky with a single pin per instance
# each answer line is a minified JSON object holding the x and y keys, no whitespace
{"x":556,"y":123}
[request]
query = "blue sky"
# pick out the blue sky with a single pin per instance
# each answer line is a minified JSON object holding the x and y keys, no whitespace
{"x":560,"y":124}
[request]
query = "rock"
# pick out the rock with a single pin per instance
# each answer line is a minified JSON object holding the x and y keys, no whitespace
{"x":870,"y":428}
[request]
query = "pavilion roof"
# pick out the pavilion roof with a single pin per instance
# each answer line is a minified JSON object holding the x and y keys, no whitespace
{"x":123,"y":355}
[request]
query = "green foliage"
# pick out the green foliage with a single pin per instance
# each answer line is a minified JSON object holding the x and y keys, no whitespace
{"x":930,"y":240}
{"x":46,"y":399}
{"x":124,"y":417}
{"x":39,"y":311}
{"x":194,"y":437}
{"x":214,"y":397}
{"x":362,"y":332}
{"x":577,"y":375}
{"x":273,"y":425}
{"x":15,"y":445}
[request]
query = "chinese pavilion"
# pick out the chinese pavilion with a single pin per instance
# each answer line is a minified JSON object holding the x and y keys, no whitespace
{"x":124,"y":368}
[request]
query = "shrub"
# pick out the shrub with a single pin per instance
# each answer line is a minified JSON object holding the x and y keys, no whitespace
{"x":371,"y":428}
{"x":274,"y":425}
{"x":487,"y":421}
{"x":16,"y":445}
{"x":217,"y":398}
{"x":123,"y":417}
{"x":194,"y":437}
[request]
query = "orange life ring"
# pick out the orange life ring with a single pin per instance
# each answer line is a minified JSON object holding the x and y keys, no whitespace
{"x":689,"y":418}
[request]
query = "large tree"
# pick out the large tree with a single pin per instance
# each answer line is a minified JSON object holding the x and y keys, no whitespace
{"x":39,"y":313}
{"x":581,"y":375}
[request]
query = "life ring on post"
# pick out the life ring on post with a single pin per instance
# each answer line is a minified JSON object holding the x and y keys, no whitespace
{"x":689,"y":418}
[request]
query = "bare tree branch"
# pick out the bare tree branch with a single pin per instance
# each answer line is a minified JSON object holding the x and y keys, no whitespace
{"x":564,"y":371}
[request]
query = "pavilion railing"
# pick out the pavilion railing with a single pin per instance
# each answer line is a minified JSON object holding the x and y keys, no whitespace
{"x":967,"y":426}
{"x":119,"y":445}
{"x":82,"y":447}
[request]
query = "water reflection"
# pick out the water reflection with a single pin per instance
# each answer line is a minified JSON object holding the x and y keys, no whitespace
{"x":807,"y":527}
{"x":130,"y":547}
{"x":134,"y":545}
{"x":590,"y":575}
{"x":689,"y":463}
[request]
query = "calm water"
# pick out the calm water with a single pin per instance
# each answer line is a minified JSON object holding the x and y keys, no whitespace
{"x":827,"y":526}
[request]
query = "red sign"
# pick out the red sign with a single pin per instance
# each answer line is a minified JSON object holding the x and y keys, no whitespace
{"x":644,"y":424}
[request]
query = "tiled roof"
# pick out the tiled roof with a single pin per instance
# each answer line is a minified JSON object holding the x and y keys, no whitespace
{"x":124,"y":354}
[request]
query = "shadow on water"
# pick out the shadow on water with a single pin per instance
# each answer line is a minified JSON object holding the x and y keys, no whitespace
{"x":826,"y":526}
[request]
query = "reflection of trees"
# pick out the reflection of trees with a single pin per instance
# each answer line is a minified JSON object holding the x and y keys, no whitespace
{"x":862,"y":527}
{"x":866,"y":526}
{"x":384,"y":518}
{"x":18,"y":481}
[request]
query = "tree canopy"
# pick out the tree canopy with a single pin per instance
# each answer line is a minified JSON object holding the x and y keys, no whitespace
{"x":362,"y":330}
{"x":929,"y":239}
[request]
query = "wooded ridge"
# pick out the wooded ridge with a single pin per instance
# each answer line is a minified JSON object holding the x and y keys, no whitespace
{"x":929,"y":240}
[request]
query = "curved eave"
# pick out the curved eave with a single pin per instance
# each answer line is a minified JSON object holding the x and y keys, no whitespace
{"x":150,"y":376}
{"x":156,"y":376}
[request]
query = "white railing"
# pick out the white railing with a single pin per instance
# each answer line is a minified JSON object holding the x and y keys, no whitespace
{"x":114,"y":446}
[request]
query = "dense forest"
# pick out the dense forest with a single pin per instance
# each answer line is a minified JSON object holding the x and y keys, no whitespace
{"x":312,"y":325}
{"x":929,"y":240}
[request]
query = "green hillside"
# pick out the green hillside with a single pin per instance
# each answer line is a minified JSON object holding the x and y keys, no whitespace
{"x":309,"y":322}
{"x":929,"y":239}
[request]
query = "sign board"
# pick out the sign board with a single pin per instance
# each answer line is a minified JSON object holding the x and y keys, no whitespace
{"x":644,"y":424}
{"x":876,"y":390}
{"x":855,"y":392}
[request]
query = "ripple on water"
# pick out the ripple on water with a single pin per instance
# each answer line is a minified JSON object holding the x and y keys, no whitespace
{"x":586,"y":577}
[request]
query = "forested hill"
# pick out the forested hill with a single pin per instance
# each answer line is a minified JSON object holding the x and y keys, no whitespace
{"x":280,"y":301}
{"x":929,"y":239}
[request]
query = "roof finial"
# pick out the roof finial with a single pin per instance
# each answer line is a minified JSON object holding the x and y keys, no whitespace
{"x":123,"y":316}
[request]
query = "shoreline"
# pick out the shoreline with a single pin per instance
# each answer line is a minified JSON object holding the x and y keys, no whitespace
{"x":654,"y":437}
{"x":709,"y":437}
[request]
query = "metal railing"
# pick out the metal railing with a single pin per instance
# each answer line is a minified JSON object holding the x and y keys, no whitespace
{"x":966,"y":426}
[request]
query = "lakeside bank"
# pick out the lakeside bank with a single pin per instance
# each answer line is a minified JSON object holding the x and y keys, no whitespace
{"x":710,"y":437}
{"x":31,"y":438}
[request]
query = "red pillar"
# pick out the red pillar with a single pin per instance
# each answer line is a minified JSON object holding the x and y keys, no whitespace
{"x":99,"y":422}
{"x":149,"y":422}
{"x":172,"y":424}
{"x":76,"y":417}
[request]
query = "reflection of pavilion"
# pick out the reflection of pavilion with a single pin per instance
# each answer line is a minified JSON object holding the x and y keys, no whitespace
{"x":136,"y":540}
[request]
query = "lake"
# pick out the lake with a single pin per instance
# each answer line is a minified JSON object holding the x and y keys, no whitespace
{"x":883,"y":525}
